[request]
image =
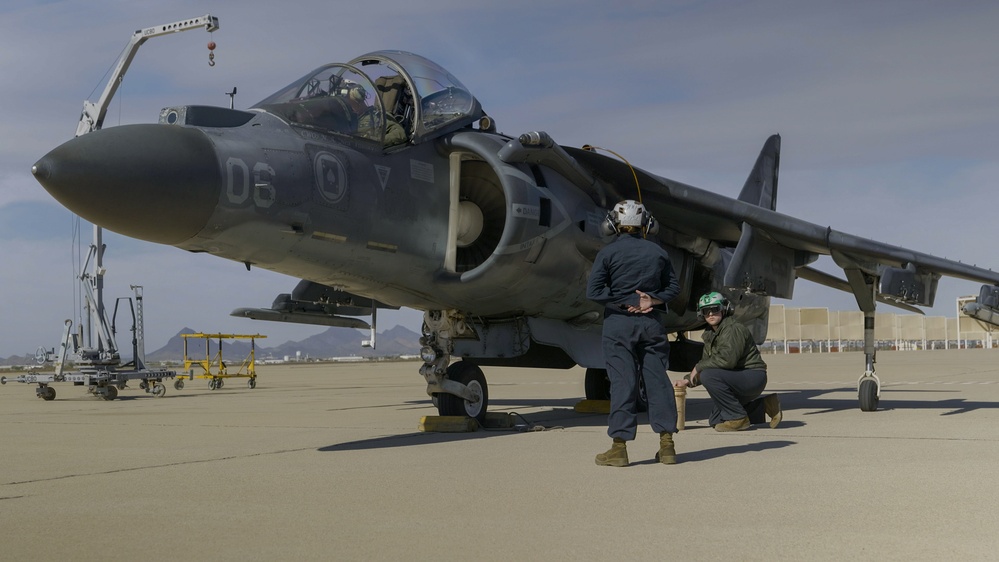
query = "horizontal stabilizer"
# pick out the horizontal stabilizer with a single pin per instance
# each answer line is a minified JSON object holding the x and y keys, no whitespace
{"x":981,"y":313}
{"x":986,"y":306}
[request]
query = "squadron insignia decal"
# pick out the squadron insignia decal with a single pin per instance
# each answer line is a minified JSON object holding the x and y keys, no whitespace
{"x":331,"y":178}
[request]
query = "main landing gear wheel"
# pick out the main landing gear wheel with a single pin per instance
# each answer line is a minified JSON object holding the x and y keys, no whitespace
{"x":868,"y":394}
{"x":597,"y":384}
{"x":471,"y":376}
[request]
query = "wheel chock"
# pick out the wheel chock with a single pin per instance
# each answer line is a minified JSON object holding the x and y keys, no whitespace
{"x":592,"y":407}
{"x":448,"y":424}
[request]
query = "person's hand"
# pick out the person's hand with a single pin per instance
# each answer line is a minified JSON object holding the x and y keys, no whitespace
{"x":681,"y":383}
{"x":645,"y":303}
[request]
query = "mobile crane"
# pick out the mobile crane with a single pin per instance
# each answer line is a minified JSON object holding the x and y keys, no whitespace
{"x":97,"y":360}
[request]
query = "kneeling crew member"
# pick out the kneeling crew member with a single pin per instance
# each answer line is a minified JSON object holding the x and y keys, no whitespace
{"x":632,"y":277}
{"x":731,"y":370}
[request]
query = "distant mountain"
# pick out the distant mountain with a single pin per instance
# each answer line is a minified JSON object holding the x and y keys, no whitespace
{"x":334,"y":342}
{"x":18,"y":360}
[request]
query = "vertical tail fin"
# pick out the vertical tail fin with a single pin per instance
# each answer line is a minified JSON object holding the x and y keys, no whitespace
{"x":761,"y":185}
{"x":759,"y":264}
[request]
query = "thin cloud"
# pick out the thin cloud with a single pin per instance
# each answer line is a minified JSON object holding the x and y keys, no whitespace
{"x":886,"y":110}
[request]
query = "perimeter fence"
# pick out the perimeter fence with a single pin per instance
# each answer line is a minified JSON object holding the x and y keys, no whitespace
{"x":817,"y":330}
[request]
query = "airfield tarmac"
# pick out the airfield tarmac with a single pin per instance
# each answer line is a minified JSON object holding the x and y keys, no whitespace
{"x":324,"y":462}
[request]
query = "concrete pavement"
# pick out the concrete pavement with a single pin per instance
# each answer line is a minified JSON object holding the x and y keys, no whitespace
{"x":324,"y":462}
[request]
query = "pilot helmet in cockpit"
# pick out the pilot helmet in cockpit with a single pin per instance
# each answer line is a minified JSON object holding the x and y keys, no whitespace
{"x":353,"y":90}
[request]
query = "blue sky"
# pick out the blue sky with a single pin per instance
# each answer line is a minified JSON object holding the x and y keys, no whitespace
{"x":888,"y":113}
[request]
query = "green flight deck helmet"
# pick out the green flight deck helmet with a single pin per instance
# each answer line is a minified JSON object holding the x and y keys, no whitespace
{"x":714,"y":298}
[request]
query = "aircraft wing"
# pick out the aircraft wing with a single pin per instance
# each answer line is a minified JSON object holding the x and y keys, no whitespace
{"x":771,"y":248}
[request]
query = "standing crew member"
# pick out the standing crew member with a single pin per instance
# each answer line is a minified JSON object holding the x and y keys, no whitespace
{"x":731,"y":370}
{"x":632,"y":276}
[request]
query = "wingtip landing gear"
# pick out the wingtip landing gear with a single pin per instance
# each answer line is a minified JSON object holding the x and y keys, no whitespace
{"x":869,"y":392}
{"x":865,"y":289}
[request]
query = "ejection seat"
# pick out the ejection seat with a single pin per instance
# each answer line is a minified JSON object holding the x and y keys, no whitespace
{"x":396,"y":100}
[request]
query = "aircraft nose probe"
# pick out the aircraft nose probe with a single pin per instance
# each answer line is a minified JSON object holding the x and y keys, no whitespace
{"x":159,"y":183}
{"x":40,"y":170}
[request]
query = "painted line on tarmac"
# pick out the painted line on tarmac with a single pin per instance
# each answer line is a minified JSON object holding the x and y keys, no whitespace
{"x":883,"y":384}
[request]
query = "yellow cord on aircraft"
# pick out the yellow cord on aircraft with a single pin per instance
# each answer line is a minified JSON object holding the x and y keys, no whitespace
{"x":638,"y":187}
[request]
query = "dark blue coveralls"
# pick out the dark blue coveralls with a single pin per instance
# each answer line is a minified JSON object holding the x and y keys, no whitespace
{"x":634,"y":344}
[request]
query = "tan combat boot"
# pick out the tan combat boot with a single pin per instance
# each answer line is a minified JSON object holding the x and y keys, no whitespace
{"x":771,"y":404}
{"x":617,"y":455}
{"x":667,"y":451}
{"x":733,"y":425}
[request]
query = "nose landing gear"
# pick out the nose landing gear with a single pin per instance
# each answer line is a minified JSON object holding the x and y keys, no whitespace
{"x":458,"y":389}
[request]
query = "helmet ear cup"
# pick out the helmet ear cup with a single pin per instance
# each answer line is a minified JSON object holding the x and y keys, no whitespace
{"x":608,"y":227}
{"x":651,"y":225}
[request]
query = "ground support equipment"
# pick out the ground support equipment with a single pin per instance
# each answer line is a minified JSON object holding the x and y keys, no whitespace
{"x":213,"y":367}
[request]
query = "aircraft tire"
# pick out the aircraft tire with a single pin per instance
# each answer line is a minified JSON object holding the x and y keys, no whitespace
{"x":470,"y":375}
{"x":868,"y":395}
{"x":597,"y":385}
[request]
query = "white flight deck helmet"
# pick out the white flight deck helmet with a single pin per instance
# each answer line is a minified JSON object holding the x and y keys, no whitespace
{"x":629,"y":213}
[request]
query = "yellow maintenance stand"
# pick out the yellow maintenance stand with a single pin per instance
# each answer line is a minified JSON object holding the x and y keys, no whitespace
{"x":214,"y":368}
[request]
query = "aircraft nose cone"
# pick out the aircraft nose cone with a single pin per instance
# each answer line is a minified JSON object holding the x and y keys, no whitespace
{"x":154,"y":182}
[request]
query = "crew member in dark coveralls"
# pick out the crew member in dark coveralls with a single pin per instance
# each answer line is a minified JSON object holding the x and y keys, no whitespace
{"x":731,"y":370}
{"x":633,"y":278}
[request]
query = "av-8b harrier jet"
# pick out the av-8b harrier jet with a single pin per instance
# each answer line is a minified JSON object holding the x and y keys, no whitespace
{"x":383,"y":183}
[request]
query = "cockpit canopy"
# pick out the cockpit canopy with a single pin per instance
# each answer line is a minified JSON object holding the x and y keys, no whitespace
{"x":388,"y":96}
